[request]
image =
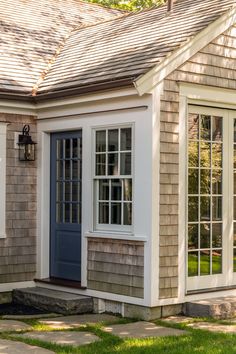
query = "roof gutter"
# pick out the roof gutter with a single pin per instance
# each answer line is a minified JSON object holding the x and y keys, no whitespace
{"x":82,"y":90}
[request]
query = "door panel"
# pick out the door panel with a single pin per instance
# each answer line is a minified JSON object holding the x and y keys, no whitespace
{"x":66,"y":175}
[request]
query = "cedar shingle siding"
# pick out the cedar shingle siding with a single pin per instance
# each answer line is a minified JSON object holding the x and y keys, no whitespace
{"x":18,"y":249}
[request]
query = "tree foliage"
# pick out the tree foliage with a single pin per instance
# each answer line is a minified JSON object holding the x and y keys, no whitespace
{"x":130,"y":5}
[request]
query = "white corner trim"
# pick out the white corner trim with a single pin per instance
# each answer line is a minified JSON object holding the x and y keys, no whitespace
{"x":146,"y":82}
{"x":3,"y":149}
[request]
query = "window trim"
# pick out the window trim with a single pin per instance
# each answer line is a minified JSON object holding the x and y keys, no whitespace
{"x":97,"y":227}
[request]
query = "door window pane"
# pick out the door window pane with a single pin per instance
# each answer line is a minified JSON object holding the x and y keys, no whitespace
{"x":192,"y":264}
{"x":193,"y":236}
{"x":205,"y":208}
{"x":205,"y":154}
{"x":205,"y":127}
{"x":217,"y":128}
{"x":204,"y":262}
{"x":216,"y":235}
{"x":193,"y":155}
{"x":216,"y":261}
{"x":193,"y":126}
{"x":193,"y":208}
{"x":205,"y":181}
{"x":205,"y":235}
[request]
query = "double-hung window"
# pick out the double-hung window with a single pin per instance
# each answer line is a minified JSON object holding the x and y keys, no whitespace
{"x":113,"y":179}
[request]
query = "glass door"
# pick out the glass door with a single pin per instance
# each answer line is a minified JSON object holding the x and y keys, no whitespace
{"x":208,"y":216}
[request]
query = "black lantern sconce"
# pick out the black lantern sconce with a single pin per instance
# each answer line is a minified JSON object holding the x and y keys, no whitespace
{"x":26,"y":145}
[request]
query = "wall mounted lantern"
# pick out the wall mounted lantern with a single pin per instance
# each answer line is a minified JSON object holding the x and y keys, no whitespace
{"x":26,"y":145}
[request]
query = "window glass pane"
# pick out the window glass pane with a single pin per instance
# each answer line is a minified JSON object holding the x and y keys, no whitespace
{"x":60,"y":149}
{"x":216,"y":181}
{"x":234,"y":261}
{"x":79,"y":213}
{"x":192,"y":264}
{"x":76,"y":191}
{"x":205,"y":236}
{"x":193,"y":156}
{"x":127,"y":214}
{"x":216,"y":155}
{"x":59,"y":213}
{"x":216,"y":208}
{"x":216,"y":261}
{"x":116,"y":189}
{"x":193,"y":236}
{"x":234,"y":155}
{"x":205,"y":154}
{"x":193,"y":126}
{"x":113,"y":164}
{"x":204,"y":262}
{"x":67,"y":191}
{"x":193,"y":208}
{"x":234,"y":234}
{"x":113,"y":136}
{"x":103,"y":217}
{"x":235,"y":130}
{"x":100,"y":141}
{"x":59,"y":196}
{"x":216,"y":235}
{"x":216,"y":128}
{"x":205,"y":127}
{"x":205,"y":181}
{"x":67,"y":212}
{"x":234,"y":208}
{"x":68,"y":148}
{"x":60,"y":165}
{"x":205,"y":208}
{"x":104,"y":189}
{"x":101,"y":165}
{"x":74,"y":213}
{"x":127,"y":189}
{"x":125,"y":163}
{"x":125,"y":139}
{"x":116,"y":213}
{"x":67,"y":169}
{"x":192,"y":181}
{"x":76,"y":169}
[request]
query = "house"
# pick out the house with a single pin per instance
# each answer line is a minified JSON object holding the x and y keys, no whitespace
{"x":131,"y":198}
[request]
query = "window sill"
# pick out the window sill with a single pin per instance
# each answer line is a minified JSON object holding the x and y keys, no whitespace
{"x":114,"y":235}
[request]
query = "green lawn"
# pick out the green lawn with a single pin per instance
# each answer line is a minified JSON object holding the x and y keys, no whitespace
{"x":195,"y":341}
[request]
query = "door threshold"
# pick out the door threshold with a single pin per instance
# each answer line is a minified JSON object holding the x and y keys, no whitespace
{"x":61,"y":282}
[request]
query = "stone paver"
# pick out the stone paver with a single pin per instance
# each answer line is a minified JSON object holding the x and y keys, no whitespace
{"x":142,"y":329}
{"x":178,"y":319}
{"x":78,"y":320}
{"x":29,"y":317}
{"x":213,"y":327}
{"x":12,"y":347}
{"x":10,"y":325}
{"x":63,"y":338}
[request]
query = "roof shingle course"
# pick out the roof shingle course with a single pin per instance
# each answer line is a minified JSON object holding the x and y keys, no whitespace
{"x":117,"y":48}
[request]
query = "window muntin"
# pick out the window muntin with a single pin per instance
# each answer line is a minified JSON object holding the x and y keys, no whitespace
{"x":113,"y":179}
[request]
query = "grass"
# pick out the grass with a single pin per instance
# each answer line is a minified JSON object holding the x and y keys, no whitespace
{"x":194,"y":341}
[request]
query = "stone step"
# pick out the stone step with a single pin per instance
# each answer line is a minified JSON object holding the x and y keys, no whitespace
{"x":218,"y":308}
{"x":53,"y":300}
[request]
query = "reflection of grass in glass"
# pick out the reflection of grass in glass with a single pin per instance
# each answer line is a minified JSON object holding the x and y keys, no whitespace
{"x":193,"y":264}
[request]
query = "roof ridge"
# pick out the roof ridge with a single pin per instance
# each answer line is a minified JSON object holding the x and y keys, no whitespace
{"x":49,"y":64}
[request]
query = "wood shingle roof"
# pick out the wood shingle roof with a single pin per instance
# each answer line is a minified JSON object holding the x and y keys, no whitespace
{"x":55,"y":51}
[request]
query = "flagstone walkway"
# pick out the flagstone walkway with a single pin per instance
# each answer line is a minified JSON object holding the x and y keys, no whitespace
{"x":72,"y":330}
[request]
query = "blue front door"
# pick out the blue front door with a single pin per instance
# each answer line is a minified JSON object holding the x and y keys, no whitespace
{"x":66,"y":174}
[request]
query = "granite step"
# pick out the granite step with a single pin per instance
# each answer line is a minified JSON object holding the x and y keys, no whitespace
{"x":53,"y":300}
{"x":218,"y":308}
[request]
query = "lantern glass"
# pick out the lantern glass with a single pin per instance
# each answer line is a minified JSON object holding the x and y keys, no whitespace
{"x":26,"y":152}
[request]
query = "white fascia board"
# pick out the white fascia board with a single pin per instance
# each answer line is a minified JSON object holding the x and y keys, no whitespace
{"x":86,"y":98}
{"x":148,"y":81}
{"x":17,"y":107}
